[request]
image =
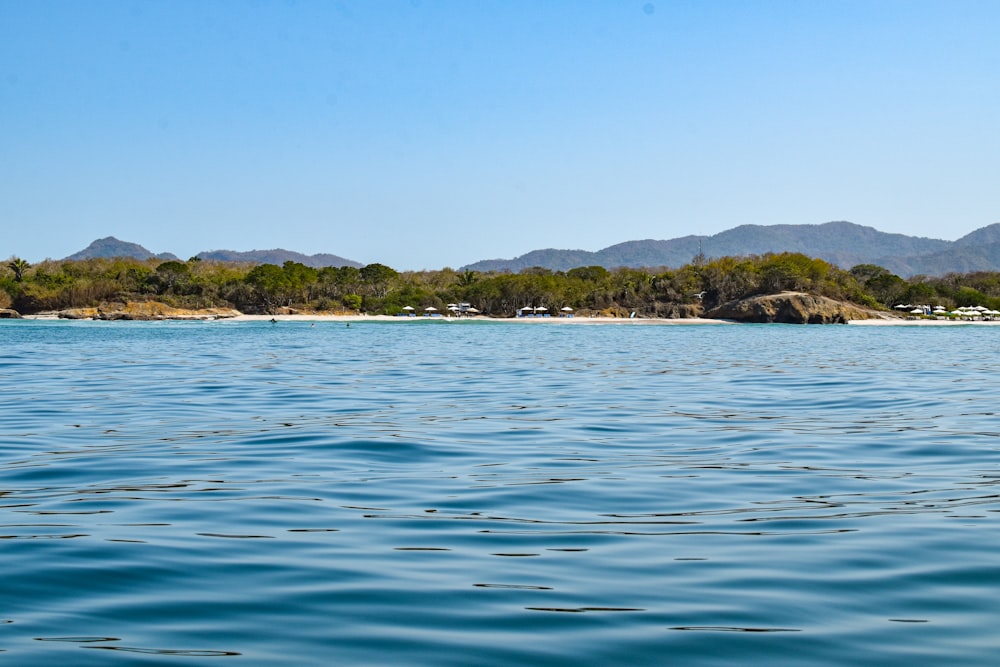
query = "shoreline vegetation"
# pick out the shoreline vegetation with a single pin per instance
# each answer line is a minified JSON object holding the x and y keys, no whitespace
{"x":780,"y":287}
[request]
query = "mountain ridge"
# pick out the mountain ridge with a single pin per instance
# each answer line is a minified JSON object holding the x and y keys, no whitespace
{"x":845,"y":244}
{"x":110,"y":246}
{"x":842,"y":243}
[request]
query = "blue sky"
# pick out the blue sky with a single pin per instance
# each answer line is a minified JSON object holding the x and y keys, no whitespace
{"x":432,"y":133}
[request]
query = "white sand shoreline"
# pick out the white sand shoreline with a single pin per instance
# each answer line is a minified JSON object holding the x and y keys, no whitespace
{"x":315,"y":317}
{"x":891,"y":322}
{"x":478,"y":318}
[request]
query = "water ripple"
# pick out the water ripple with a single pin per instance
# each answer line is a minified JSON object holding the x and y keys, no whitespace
{"x":526,"y":495}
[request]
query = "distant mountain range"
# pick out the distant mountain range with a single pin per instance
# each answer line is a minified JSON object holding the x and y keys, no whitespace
{"x":279,"y":257}
{"x":112,"y":247}
{"x":842,"y":243}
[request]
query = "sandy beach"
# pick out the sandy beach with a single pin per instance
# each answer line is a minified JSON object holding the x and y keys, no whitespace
{"x":891,"y":322}
{"x":478,"y":318}
{"x":316,"y":317}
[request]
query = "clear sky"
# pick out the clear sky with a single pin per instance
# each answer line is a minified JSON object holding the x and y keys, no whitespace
{"x":433,"y":133}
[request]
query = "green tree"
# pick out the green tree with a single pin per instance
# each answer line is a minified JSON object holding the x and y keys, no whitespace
{"x":378,"y":278}
{"x":352,"y":301}
{"x":468,"y":278}
{"x":18,"y":266}
{"x":592,"y":274}
{"x":268,"y":281}
{"x":169,"y":275}
{"x":884,"y":286}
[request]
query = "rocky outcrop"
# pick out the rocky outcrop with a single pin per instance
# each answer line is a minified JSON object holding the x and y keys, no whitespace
{"x":792,"y":308}
{"x":681,"y":311}
{"x":8,"y":314}
{"x":79,"y":314}
{"x":145,"y":310}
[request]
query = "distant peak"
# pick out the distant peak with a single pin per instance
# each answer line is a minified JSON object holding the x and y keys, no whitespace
{"x":109,"y":246}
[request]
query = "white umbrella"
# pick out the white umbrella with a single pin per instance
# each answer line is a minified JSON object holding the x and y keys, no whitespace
{"x":566,"y":309}
{"x":542,"y":308}
{"x":407,"y":307}
{"x":916,"y":311}
{"x":430,"y":308}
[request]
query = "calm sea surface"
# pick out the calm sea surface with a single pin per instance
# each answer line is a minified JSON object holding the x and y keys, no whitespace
{"x":434,"y":493}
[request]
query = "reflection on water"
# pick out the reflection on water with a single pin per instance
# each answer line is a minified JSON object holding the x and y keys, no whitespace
{"x":447,"y":493}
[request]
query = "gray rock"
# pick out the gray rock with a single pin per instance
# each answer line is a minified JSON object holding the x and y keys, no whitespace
{"x":791,"y":308}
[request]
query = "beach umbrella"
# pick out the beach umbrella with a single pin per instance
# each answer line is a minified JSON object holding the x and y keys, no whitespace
{"x":407,"y":307}
{"x":541,"y":308}
{"x":430,"y":308}
{"x":566,"y":309}
{"x":916,"y":311}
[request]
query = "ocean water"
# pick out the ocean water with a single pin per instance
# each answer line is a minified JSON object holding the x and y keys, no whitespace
{"x":433,"y":493}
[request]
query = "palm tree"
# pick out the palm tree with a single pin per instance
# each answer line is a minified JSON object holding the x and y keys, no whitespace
{"x":468,"y":278}
{"x":18,"y":266}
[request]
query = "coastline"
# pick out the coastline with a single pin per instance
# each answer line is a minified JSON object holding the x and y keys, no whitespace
{"x":577,"y":321}
{"x":899,"y":322}
{"x":890,"y":322}
{"x":317,"y":317}
{"x":478,"y":318}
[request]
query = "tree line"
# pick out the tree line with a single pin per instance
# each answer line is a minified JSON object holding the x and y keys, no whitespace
{"x":378,"y":289}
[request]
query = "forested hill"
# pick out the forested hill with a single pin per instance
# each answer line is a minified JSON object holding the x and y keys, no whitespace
{"x":278,"y":257}
{"x":111,"y":247}
{"x":842,"y":243}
